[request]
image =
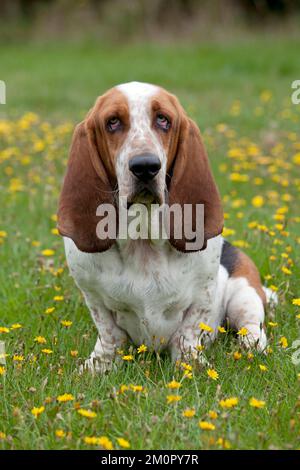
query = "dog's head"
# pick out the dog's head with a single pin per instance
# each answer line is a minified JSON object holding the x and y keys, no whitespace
{"x":136,"y":142}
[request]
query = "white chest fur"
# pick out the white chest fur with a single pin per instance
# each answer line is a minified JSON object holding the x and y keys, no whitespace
{"x":147,"y":291}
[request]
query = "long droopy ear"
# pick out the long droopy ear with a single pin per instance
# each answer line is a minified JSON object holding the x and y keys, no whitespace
{"x":192,"y":183}
{"x":86,"y":185}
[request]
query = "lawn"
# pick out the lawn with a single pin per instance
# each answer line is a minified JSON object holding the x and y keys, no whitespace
{"x":239,"y":94}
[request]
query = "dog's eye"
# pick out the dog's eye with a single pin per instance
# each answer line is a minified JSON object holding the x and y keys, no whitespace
{"x":163,"y":122}
{"x":113,"y":124}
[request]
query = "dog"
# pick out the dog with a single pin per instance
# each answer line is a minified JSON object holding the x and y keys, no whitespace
{"x":138,"y":143}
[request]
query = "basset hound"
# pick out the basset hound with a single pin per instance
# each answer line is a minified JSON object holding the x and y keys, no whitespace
{"x":137,"y":142}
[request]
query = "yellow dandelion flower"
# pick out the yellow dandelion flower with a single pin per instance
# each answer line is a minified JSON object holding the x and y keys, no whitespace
{"x":205,"y":327}
{"x":237,"y":355}
{"x":105,"y":443}
{"x":47,"y":351}
{"x":229,"y":402}
{"x":2,"y":370}
{"x":16,"y":326}
{"x":18,"y":358}
{"x":206,"y":426}
{"x":243,"y":331}
{"x":283,"y":342}
{"x":174,"y":384}
{"x":37,"y":411}
{"x":74,"y":353}
{"x":136,"y":388}
{"x":296,"y":302}
{"x":286,"y":270}
{"x":256,"y":403}
{"x":2,"y":436}
{"x":221,"y":329}
{"x":212,"y":414}
{"x":189,"y":413}
{"x":4,"y":329}
{"x":54,"y":231}
{"x":213,"y":374}
{"x":128,"y":357}
{"x":66,"y":323}
{"x":142,"y":348}
{"x":123,"y":443}
{"x":58,"y":298}
{"x":40,"y":339}
{"x":60,"y":433}
{"x":65,"y":397}
{"x":257,"y":201}
{"x":262,"y":367}
{"x":49,"y":310}
{"x":224,"y":443}
{"x":48,"y":252}
{"x":173,"y":398}
{"x":87,"y":413}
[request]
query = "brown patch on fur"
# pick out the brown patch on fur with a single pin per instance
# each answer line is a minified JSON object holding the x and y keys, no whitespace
{"x":246,"y":268}
{"x":90,"y":179}
{"x":189,"y":173}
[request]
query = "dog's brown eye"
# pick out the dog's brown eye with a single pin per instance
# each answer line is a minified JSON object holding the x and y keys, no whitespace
{"x":163,"y":122}
{"x":113,"y":124}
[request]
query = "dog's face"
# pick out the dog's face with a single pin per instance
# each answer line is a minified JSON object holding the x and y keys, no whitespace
{"x":138,"y":143}
{"x":139,"y":126}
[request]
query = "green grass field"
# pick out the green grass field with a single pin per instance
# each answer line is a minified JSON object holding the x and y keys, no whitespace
{"x":239,"y":94}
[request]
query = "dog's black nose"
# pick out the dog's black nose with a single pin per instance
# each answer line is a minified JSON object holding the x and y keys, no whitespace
{"x":145,"y":167}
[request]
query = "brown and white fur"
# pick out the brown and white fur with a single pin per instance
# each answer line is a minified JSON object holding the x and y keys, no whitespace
{"x":152,"y":292}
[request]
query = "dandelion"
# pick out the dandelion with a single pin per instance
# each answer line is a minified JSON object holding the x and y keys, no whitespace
{"x":37,"y":411}
{"x":136,"y":388}
{"x":229,"y":402}
{"x":283,"y":342}
{"x":40,"y":339}
{"x":18,"y":358}
{"x":256,"y":403}
{"x":47,"y":351}
{"x":105,"y":443}
{"x":257,"y":201}
{"x":65,"y":397}
{"x":2,"y":436}
{"x":173,"y":398}
{"x":128,"y":358}
{"x":243,"y":331}
{"x":48,"y":252}
{"x":74,"y":353}
{"x":87,"y":413}
{"x":272,"y":324}
{"x":212,"y":414}
{"x":189,"y":413}
{"x":213,"y":374}
{"x":58,"y":298}
{"x":286,"y":270}
{"x":123,"y":443}
{"x":262,"y":367}
{"x":205,"y":327}
{"x":221,"y":329}
{"x":16,"y":326}
{"x":296,"y":302}
{"x":237,"y":355}
{"x":60,"y":433}
{"x":174,"y":384}
{"x":206,"y":426}
{"x":2,"y":370}
{"x":4,"y":329}
{"x":49,"y":310}
{"x":66,"y":323}
{"x":224,"y":443}
{"x":142,"y":349}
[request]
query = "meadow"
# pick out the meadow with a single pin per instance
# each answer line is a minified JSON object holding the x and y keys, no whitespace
{"x":239,"y":94}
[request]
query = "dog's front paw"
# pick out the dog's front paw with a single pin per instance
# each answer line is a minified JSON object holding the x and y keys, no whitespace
{"x":96,"y":365}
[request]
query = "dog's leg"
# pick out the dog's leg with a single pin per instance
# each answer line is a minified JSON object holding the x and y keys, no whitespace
{"x":188,"y":340}
{"x":245,"y":309}
{"x":110,"y":338}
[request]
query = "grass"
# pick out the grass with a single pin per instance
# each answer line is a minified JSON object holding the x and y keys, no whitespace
{"x":240,"y":96}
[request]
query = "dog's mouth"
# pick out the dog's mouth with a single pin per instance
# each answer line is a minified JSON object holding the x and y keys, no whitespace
{"x":146,"y":196}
